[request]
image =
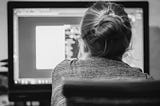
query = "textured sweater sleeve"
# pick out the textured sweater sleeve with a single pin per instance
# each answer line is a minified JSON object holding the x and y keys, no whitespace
{"x":58,"y":73}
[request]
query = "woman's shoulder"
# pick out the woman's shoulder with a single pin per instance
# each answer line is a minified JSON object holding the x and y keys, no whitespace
{"x":62,"y":65}
{"x":134,"y":72}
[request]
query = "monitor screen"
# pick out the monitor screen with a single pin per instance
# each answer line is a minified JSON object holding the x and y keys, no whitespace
{"x":42,"y":34}
{"x":43,"y":37}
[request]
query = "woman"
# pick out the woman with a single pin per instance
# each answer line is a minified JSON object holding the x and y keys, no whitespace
{"x":105,"y":37}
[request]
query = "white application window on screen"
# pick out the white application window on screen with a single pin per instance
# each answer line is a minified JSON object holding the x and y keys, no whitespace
{"x":50,"y":46}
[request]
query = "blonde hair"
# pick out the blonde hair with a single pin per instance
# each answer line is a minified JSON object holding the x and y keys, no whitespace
{"x":106,"y":30}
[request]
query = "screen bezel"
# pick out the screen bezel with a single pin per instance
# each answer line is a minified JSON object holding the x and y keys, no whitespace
{"x":18,"y":91}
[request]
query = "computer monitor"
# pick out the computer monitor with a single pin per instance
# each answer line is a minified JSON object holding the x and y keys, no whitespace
{"x":42,"y":34}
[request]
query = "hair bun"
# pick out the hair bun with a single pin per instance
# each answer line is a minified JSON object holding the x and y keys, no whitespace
{"x":110,"y":27}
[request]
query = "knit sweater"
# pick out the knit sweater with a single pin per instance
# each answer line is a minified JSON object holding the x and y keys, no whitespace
{"x":91,"y":69}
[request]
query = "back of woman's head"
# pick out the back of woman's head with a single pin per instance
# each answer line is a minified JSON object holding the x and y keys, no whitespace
{"x":106,"y":30}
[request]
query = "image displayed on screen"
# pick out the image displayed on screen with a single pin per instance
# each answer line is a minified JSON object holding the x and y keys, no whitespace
{"x":45,"y":37}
